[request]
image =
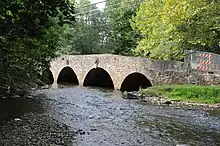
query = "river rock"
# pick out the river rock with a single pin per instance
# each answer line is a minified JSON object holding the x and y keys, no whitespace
{"x":30,"y":97}
{"x":4,"y":90}
{"x":129,"y":95}
{"x":16,"y":96}
{"x":4,"y":97}
{"x":93,"y":129}
{"x":17,"y":119}
{"x":20,"y":92}
{"x":82,"y":133}
{"x":167,"y":102}
{"x":217,"y":105}
{"x":45,"y":87}
{"x":124,"y":94}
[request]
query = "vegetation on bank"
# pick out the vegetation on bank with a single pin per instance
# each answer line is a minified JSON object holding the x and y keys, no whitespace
{"x":168,"y":27}
{"x":186,"y":93}
{"x":30,"y":36}
{"x":35,"y":32}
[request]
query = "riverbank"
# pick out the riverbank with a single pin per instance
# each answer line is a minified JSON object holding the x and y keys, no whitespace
{"x":7,"y":91}
{"x":94,"y":116}
{"x":17,"y":90}
{"x":35,"y":129}
{"x":208,"y":96}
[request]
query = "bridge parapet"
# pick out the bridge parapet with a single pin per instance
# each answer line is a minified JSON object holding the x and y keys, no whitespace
{"x":119,"y":67}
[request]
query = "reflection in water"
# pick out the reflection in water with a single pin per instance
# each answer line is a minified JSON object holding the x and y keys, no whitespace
{"x":107,"y":119}
{"x":11,"y":108}
{"x":117,"y":94}
{"x":215,"y":112}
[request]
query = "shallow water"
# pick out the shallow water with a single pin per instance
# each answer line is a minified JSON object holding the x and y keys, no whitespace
{"x":101,"y":117}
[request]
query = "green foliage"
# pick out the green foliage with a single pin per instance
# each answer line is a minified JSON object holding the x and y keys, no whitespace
{"x":86,"y":35}
{"x":30,"y":36}
{"x":121,"y":39}
{"x":168,"y":27}
{"x":188,"y":93}
{"x":202,"y":30}
{"x":97,"y":31}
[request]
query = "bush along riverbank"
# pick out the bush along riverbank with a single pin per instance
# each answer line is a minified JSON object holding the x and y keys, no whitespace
{"x":7,"y":91}
{"x":206,"y":96}
{"x":20,"y":90}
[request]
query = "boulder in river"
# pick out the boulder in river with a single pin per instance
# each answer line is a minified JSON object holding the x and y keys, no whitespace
{"x":45,"y":87}
{"x":129,"y":95}
{"x":17,"y":119}
{"x":167,"y":102}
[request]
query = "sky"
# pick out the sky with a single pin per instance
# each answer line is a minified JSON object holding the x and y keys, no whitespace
{"x":101,"y":5}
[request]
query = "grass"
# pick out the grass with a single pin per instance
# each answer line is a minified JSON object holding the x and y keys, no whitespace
{"x":186,"y":93}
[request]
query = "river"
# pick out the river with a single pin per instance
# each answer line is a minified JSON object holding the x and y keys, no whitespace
{"x":97,"y":117}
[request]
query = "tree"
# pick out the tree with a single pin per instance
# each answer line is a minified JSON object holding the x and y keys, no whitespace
{"x":121,"y":38}
{"x":166,"y":26}
{"x":202,"y":30}
{"x":86,"y":35}
{"x":29,"y":36}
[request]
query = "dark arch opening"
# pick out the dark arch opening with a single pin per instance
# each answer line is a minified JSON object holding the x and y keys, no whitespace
{"x":47,"y":77}
{"x":67,"y":76}
{"x":98,"y":77}
{"x":134,"y":82}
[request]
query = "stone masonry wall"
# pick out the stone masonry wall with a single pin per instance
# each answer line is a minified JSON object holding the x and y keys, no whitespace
{"x":119,"y":67}
{"x":186,"y":77}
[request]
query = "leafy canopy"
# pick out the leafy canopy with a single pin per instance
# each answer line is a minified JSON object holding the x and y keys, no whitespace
{"x":87,"y":34}
{"x":29,"y":36}
{"x":167,"y":27}
{"x":121,"y":38}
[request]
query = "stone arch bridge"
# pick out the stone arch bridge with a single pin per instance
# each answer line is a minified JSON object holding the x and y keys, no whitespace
{"x":112,"y":71}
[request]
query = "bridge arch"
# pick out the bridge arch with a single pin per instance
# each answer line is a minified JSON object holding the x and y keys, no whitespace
{"x":67,"y":76}
{"x":134,"y":81}
{"x":98,"y":77}
{"x":47,"y":77}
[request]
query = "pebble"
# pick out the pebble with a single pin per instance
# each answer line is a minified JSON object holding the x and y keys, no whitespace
{"x":161,"y":101}
{"x":35,"y":130}
{"x":167,"y":102}
{"x":16,"y":96}
{"x":82,"y":133}
{"x":29,"y":96}
{"x":17,"y":119}
{"x":93,"y":129}
{"x":45,"y":87}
